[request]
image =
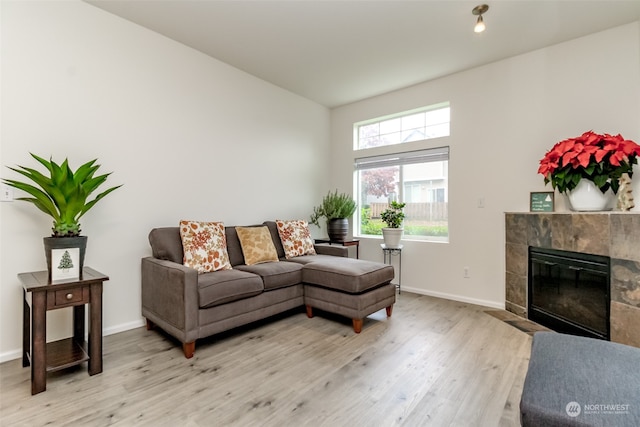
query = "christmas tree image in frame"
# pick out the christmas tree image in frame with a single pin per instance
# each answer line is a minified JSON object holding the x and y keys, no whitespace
{"x":66,"y":262}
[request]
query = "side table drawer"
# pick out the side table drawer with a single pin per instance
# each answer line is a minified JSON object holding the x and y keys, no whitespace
{"x":67,"y":298}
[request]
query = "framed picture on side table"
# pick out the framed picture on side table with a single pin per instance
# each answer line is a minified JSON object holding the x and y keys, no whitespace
{"x":65,"y":264}
{"x":541,"y":201}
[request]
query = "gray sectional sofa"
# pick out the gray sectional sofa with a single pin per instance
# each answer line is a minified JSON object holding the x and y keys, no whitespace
{"x":190,"y":306}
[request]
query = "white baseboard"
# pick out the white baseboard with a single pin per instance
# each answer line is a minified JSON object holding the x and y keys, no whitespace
{"x":10,"y":355}
{"x":123,"y":327}
{"x":17,"y":354}
{"x":453,"y":297}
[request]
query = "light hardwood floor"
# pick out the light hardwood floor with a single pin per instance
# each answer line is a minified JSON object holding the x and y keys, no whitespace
{"x":435,"y":362}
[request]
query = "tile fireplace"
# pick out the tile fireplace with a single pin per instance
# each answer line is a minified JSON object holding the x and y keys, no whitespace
{"x":613,"y":236}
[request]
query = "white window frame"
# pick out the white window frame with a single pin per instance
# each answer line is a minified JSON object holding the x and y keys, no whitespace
{"x":399,"y":159}
{"x":381,"y":120}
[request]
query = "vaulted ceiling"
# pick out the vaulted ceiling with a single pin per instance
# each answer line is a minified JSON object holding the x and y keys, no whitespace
{"x":336,"y":52}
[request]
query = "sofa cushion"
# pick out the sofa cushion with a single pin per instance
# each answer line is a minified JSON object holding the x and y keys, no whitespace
{"x":224,"y":286}
{"x":257,"y":246}
{"x":295,"y":237}
{"x":204,"y":245}
{"x":347,"y":274}
{"x":306,"y":259}
{"x":276,"y":275}
{"x":166,"y":244}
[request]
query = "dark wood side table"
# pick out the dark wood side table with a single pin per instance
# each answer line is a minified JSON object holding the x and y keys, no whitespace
{"x":40,"y":296}
{"x":352,"y":242}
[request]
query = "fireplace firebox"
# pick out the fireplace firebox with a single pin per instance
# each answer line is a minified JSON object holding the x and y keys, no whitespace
{"x":569,"y":291}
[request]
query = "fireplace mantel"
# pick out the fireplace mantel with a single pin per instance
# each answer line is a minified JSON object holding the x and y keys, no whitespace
{"x":612,"y":234}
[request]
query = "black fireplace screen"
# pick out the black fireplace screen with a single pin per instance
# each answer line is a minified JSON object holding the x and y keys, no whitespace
{"x":569,"y":292}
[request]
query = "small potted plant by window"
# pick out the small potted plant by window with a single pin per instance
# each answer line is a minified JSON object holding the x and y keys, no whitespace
{"x":337,"y":209}
{"x":63,"y":195}
{"x":393,"y":217}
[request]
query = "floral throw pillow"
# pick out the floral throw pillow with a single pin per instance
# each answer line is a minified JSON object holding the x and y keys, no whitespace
{"x":295,"y":238}
{"x":204,"y":245}
{"x":257,"y":246}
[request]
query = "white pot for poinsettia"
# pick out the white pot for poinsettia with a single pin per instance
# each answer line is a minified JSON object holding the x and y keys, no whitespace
{"x":392,"y":237}
{"x":587,"y":197}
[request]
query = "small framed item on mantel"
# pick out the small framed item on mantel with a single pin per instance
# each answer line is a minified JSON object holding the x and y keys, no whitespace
{"x":541,"y":201}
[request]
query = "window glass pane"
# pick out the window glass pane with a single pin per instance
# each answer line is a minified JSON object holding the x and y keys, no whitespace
{"x":437,"y":131}
{"x":373,"y":141}
{"x":391,"y":138}
{"x":405,"y":127}
{"x":422,"y":186}
{"x":390,"y":126}
{"x":377,"y":188}
{"x":369,"y":130}
{"x":437,"y":116}
{"x":426,"y":213}
{"x":413,"y":121}
{"x":413,"y":135}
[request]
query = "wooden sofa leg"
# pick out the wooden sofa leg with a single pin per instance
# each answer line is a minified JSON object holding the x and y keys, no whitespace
{"x":389,"y":310}
{"x":357,"y":325}
{"x":189,"y":348}
{"x":309,"y":311}
{"x":150,"y":325}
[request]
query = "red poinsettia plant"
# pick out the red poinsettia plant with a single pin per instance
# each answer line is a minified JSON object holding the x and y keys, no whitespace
{"x":599,"y":158}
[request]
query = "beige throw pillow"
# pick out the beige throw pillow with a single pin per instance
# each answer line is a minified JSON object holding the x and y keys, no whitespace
{"x":257,"y":246}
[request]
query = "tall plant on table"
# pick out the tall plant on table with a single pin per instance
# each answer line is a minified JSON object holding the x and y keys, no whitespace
{"x":64,"y":196}
{"x":393,"y":217}
{"x":337,"y":208}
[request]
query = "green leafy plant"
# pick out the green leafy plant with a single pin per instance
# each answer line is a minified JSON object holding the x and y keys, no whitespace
{"x":63,"y":194}
{"x":393,"y":215}
{"x":333,"y":206}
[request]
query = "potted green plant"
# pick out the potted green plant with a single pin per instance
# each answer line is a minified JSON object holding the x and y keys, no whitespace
{"x":336,"y":208}
{"x":63,"y":195}
{"x":393,"y":217}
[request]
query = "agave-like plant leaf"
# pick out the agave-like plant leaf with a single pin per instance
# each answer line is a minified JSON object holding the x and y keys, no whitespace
{"x":63,"y":194}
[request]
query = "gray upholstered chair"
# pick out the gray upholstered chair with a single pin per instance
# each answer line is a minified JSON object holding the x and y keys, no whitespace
{"x":577,"y":381}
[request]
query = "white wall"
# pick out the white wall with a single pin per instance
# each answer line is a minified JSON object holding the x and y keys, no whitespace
{"x":188,"y":136}
{"x":504,"y":117}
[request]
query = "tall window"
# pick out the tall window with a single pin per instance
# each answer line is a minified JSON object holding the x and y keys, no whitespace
{"x":418,"y":178}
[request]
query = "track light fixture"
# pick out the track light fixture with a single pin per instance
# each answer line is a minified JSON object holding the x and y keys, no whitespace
{"x":479,"y":10}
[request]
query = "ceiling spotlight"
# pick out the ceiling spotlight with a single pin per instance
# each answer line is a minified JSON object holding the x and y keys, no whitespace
{"x":479,"y":10}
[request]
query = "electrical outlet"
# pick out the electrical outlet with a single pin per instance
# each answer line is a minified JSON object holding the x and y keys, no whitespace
{"x":466,"y":273}
{"x":7,"y":194}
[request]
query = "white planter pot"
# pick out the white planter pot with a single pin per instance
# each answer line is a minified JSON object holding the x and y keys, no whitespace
{"x":586,"y":197}
{"x":392,"y":237}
